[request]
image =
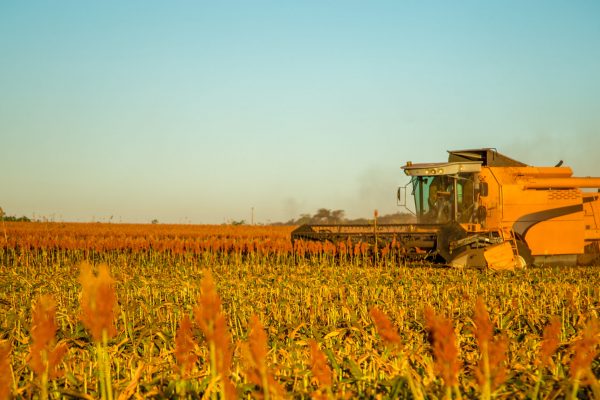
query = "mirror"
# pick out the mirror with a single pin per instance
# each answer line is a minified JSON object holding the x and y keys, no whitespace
{"x":401,"y":196}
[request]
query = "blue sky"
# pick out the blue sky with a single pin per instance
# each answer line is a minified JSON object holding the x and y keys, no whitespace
{"x":198,"y":111}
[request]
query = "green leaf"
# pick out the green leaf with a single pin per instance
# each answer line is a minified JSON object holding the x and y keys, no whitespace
{"x":354,"y":369}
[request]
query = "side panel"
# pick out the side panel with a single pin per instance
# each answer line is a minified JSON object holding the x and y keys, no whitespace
{"x":563,"y":235}
{"x":492,"y":203}
{"x":550,"y":221}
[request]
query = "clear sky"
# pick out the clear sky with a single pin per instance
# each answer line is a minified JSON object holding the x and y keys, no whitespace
{"x":197,"y":111}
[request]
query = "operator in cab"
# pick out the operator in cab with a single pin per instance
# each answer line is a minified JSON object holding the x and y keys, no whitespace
{"x":439,"y":201}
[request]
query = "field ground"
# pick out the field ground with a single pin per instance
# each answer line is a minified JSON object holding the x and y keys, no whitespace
{"x":321,"y":298}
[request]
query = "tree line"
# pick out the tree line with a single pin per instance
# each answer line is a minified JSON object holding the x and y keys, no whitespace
{"x":327,"y":216}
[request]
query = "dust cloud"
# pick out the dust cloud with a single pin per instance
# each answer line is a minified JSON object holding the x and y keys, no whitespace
{"x":376,"y":190}
{"x":579,"y":151}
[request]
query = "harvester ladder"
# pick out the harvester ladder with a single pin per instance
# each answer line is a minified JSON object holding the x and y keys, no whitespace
{"x":509,"y":236}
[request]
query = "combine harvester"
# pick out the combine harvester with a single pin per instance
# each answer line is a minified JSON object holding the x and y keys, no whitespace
{"x":484,"y":209}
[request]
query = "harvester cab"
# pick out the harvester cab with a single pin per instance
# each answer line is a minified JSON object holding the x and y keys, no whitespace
{"x":445,"y":192}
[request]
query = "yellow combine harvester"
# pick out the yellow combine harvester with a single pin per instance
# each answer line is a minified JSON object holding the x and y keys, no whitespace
{"x":482,"y":208}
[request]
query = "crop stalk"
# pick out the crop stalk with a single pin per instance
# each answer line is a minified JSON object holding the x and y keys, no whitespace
{"x":107,"y":364}
{"x":486,"y":390}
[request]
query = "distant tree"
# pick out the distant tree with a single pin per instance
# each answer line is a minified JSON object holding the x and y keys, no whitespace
{"x":304,"y":219}
{"x":240,"y":222}
{"x":337,"y":216}
{"x":322,"y":216}
{"x":326,"y":216}
{"x":154,"y":221}
{"x":12,"y":218}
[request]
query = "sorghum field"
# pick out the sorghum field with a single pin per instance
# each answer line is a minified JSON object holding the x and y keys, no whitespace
{"x":135,"y":311}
